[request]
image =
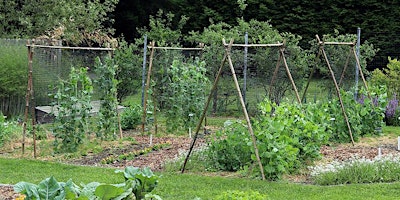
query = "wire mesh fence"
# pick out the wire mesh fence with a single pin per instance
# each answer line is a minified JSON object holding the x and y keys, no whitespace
{"x":52,"y":65}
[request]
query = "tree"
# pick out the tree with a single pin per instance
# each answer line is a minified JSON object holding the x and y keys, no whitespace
{"x":77,"y":22}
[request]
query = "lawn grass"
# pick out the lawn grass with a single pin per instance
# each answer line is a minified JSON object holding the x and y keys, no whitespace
{"x":16,"y":170}
{"x":391,"y":130}
{"x":189,"y":186}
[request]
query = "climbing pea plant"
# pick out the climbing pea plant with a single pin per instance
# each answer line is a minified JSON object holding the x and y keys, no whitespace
{"x":71,"y":102}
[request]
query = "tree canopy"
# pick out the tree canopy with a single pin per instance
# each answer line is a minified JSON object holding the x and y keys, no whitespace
{"x":91,"y":22}
{"x":378,"y":20}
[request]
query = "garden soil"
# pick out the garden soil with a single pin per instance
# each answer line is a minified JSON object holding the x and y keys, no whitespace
{"x":178,"y":146}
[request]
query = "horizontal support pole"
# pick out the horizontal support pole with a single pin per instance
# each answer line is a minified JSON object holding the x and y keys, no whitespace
{"x":337,"y":43}
{"x":66,"y":47}
{"x":175,"y":48}
{"x":255,"y":45}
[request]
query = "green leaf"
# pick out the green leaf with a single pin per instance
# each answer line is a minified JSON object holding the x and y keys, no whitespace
{"x":49,"y":188}
{"x":129,"y":172}
{"x":107,"y":192}
{"x":88,"y":190}
{"x":29,"y":189}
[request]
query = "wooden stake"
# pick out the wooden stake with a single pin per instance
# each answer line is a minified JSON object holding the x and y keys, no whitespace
{"x":337,"y":90}
{"x":246,"y":115}
{"x":27,"y":97}
{"x":310,"y":76}
{"x":147,"y":86}
{"x":202,"y":117}
{"x":271,"y":85}
{"x":290,"y":75}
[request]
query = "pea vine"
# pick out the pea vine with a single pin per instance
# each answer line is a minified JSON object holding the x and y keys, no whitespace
{"x":106,"y":83}
{"x":72,"y":107}
{"x":186,"y":93}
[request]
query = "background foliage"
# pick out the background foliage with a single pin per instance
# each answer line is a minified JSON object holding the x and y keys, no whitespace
{"x":377,"y":20}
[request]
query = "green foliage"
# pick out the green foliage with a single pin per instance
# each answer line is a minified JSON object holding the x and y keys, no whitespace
{"x":388,"y":76}
{"x":7,"y":130}
{"x":163,"y":30}
{"x":77,"y":22}
{"x":138,"y":183}
{"x":13,"y":72}
{"x":72,"y":110}
{"x":141,"y":181}
{"x":365,"y":115}
{"x":131,"y":117}
{"x":241,"y":195}
{"x":340,"y":55}
{"x":108,"y":117}
{"x":186,"y":94}
{"x":129,"y":63}
{"x":48,"y":189}
{"x":263,"y":60}
{"x":230,"y":150}
{"x":289,"y":135}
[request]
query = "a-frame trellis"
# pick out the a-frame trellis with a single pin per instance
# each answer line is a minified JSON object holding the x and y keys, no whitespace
{"x":227,"y":57}
{"x":353,"y":52}
{"x":29,"y":98}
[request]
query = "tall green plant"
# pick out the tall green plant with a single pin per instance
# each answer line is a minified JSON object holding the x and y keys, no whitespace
{"x":71,"y":109}
{"x":107,"y":123}
{"x":129,"y":69}
{"x":186,"y":90}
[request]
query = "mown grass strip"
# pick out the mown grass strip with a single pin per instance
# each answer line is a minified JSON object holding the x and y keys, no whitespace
{"x":189,"y":186}
{"x":178,"y":186}
{"x":15,"y":170}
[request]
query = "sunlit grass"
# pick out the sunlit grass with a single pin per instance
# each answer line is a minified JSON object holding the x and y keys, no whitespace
{"x":189,"y":186}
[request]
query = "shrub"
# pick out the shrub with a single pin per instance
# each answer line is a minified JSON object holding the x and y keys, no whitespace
{"x":131,"y":117}
{"x":388,"y":76}
{"x":230,"y":150}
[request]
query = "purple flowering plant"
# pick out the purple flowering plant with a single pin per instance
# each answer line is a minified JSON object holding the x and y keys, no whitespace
{"x":392,"y":112}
